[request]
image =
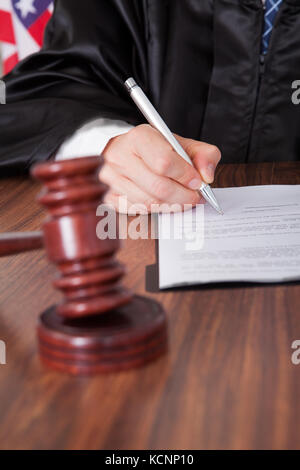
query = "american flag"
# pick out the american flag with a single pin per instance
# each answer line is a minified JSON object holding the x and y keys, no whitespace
{"x":22,"y":25}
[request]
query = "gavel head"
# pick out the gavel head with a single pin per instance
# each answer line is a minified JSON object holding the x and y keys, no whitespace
{"x":89,"y":274}
{"x":100,"y":326}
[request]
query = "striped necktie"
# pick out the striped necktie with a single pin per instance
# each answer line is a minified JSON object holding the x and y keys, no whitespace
{"x":271,"y":10}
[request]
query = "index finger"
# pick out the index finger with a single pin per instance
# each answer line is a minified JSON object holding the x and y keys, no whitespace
{"x":162,"y":159}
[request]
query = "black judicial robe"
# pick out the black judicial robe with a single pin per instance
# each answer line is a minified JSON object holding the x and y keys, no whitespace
{"x":198,"y":60}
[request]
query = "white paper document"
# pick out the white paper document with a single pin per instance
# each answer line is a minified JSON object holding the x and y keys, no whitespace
{"x":256,"y":240}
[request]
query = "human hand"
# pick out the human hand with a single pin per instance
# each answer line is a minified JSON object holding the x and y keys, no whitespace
{"x":143,"y":166}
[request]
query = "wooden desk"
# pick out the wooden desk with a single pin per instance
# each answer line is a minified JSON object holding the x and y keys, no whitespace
{"x":227,"y":382}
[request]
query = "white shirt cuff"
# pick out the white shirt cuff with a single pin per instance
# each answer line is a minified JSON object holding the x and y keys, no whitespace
{"x":92,"y":138}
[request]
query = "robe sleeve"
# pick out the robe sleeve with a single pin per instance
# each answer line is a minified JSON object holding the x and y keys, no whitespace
{"x":90,"y":49}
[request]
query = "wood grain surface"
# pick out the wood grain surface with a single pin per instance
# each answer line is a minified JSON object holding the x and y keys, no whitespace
{"x":227,"y":382}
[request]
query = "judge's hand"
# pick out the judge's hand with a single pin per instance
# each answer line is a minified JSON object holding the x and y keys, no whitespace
{"x":143,"y":166}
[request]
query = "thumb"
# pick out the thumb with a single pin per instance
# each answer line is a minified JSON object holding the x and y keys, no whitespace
{"x":205,"y":157}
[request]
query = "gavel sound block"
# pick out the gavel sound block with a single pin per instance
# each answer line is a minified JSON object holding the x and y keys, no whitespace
{"x":99,"y":326}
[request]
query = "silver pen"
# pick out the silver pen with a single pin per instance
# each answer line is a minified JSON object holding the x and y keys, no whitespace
{"x":152,"y":116}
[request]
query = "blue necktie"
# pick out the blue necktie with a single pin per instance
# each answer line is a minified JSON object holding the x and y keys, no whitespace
{"x":271,"y":10}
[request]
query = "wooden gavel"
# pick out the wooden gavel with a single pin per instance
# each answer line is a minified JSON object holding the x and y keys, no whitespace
{"x":99,"y":326}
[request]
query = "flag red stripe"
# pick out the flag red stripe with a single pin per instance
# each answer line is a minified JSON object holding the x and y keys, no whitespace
{"x":38,"y":27}
{"x":10,"y":62}
{"x":6,"y":27}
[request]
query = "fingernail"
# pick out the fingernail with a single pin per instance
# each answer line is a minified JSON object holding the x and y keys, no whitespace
{"x":195,"y":183}
{"x":209,"y":173}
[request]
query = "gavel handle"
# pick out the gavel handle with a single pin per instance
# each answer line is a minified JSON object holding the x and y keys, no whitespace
{"x":17,"y":242}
